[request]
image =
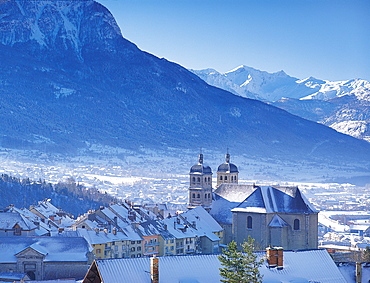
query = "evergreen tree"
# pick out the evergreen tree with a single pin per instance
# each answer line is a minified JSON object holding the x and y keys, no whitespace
{"x":240,"y":266}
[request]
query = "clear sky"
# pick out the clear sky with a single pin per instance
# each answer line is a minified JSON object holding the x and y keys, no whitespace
{"x":326,"y":39}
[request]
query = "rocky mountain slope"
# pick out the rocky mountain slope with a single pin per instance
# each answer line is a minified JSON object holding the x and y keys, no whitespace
{"x":69,"y":80}
{"x":342,"y":105}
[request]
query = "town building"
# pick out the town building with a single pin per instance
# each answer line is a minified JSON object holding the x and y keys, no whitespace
{"x":45,"y":258}
{"x":15,"y":224}
{"x":272,"y":215}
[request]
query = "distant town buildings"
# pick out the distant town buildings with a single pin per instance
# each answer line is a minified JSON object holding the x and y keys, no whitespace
{"x":279,"y":216}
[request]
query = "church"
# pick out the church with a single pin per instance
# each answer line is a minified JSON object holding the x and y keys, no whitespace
{"x":272,"y":215}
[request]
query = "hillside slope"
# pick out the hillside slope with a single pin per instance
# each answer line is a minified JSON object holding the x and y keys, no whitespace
{"x":68,"y":79}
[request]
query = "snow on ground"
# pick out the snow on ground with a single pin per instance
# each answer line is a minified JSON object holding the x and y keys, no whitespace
{"x":149,"y":176}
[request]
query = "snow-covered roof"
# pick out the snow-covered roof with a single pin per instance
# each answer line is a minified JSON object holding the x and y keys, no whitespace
{"x":302,"y":266}
{"x":57,"y":249}
{"x":202,"y":219}
{"x":46,"y":208}
{"x":9,"y":219}
{"x":100,"y":237}
{"x":182,"y":226}
{"x":13,"y":276}
{"x":230,"y":198}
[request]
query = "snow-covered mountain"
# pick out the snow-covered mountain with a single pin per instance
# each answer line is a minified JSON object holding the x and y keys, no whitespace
{"x":252,"y":83}
{"x":69,"y":80}
{"x":342,"y":105}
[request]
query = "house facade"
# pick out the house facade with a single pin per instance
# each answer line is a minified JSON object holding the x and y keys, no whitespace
{"x":45,"y":258}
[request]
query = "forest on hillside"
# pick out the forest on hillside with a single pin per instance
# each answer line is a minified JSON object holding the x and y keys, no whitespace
{"x":69,"y":196}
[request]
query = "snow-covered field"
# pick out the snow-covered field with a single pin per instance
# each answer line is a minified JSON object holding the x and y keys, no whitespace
{"x":150,"y":176}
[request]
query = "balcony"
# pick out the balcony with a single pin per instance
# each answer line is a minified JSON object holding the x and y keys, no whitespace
{"x":153,"y":244}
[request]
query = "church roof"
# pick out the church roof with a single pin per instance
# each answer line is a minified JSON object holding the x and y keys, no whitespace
{"x":226,"y":197}
{"x":230,"y":198}
{"x":227,"y":167}
{"x":200,"y":168}
{"x":278,"y":222}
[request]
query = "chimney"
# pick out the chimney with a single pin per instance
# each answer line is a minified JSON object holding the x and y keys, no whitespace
{"x":154,"y":270}
{"x":115,"y":220}
{"x":272,"y":257}
{"x":280,"y":258}
{"x":275,"y":257}
{"x":358,"y":272}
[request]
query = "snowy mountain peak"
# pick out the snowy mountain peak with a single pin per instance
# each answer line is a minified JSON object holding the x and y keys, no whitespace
{"x":62,"y":25}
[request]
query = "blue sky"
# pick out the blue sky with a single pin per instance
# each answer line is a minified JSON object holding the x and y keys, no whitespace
{"x":327,"y":39}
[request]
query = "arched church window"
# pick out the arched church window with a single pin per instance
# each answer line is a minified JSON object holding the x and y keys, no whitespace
{"x":220,"y":178}
{"x":193,"y":179}
{"x":209,"y":195}
{"x":296,"y":224}
{"x":198,"y":180}
{"x":198,"y":195}
{"x":249,"y":222}
{"x":209,"y":179}
{"x":193,"y":195}
{"x":225,"y":178}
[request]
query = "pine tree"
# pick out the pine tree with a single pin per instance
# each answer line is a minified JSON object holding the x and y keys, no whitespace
{"x":240,"y":266}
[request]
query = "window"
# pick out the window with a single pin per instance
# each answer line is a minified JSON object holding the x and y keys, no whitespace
{"x":132,"y":242}
{"x":138,"y":248}
{"x":98,"y":251}
{"x":198,"y":196}
{"x":17,"y":231}
{"x":138,"y":255}
{"x":133,"y":249}
{"x":221,"y":178}
{"x":225,"y":178}
{"x":198,"y":180}
{"x":193,"y":195}
{"x":138,"y":242}
{"x":193,"y":179}
{"x":132,"y":255}
{"x":249,"y":222}
{"x":296,"y":224}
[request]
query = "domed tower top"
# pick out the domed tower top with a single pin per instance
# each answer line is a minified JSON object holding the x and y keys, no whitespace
{"x":200,"y":189}
{"x":227,"y":172}
{"x":200,"y":169}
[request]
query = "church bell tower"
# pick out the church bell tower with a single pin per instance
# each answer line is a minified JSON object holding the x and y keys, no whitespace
{"x":200,"y":189}
{"x":227,"y":172}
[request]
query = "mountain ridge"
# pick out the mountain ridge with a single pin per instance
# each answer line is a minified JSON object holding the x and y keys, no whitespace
{"x":331,"y":102}
{"x":111,"y":93}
